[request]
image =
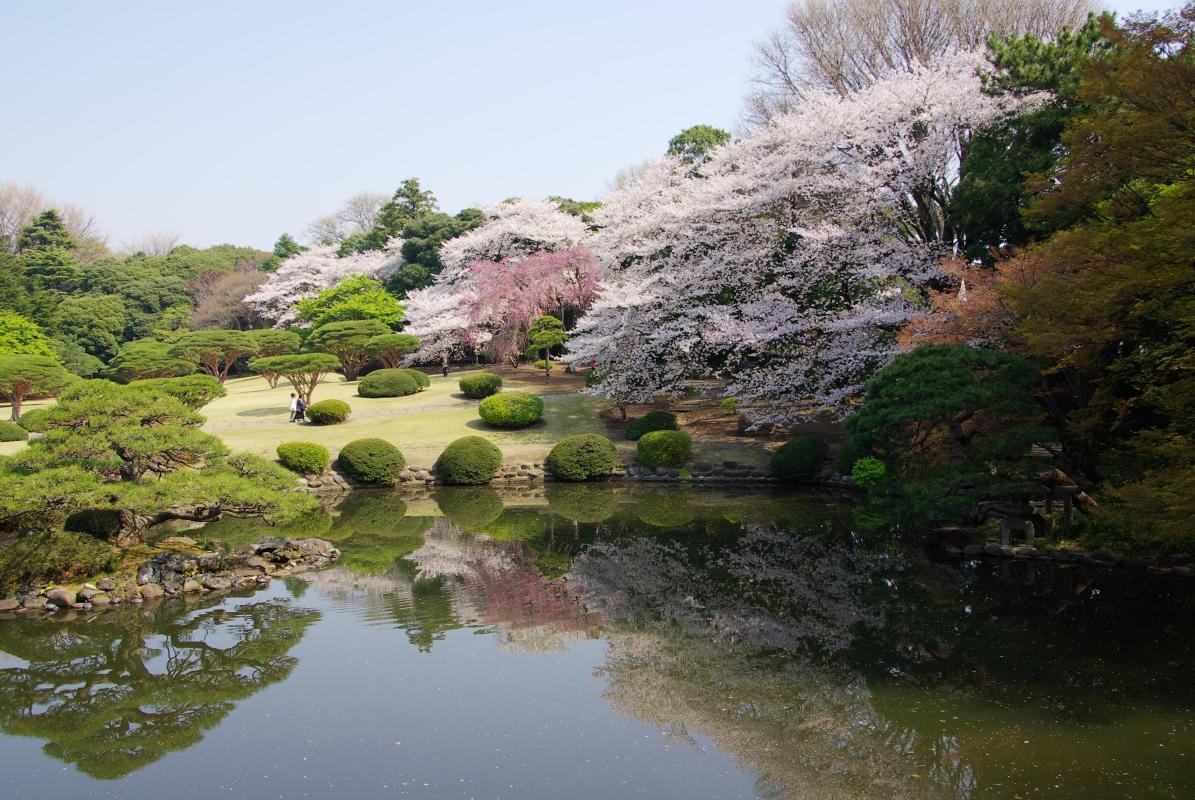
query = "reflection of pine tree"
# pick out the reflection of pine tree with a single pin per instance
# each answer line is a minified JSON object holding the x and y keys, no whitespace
{"x":118,"y":693}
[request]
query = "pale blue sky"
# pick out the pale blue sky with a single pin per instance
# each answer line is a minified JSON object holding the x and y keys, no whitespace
{"x":235,"y":121}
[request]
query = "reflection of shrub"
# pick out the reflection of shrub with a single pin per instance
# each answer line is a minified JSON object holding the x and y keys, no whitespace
{"x":800,"y":460}
{"x":470,"y":507}
{"x":468,"y":461}
{"x":328,"y":412}
{"x":36,"y":420}
{"x":305,"y":458}
{"x":518,"y":525}
{"x":582,"y":458}
{"x":651,"y":421}
{"x":480,"y":384}
{"x":12,"y":432}
{"x":373,"y":531}
{"x":511,"y":410}
{"x":582,"y":503}
{"x":371,"y":461}
{"x":45,"y":557}
{"x":868,"y":471}
{"x":387,"y":383}
{"x":236,"y":531}
{"x":664,"y":449}
{"x":664,"y":510}
{"x":373,"y":513}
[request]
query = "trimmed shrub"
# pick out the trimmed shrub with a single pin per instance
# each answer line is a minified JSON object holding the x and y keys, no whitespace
{"x":387,"y":383}
{"x":868,"y":471}
{"x":480,"y":384}
{"x":664,"y":449}
{"x":419,"y":376}
{"x":469,"y":461}
{"x":800,"y":460}
{"x":582,"y":458}
{"x":848,"y":453}
{"x":371,"y":461}
{"x":305,"y":458}
{"x":651,"y":421}
{"x":12,"y":432}
{"x":511,"y":410}
{"x":328,"y":412}
{"x":35,"y":420}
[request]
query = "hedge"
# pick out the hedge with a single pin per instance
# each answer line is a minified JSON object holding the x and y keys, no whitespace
{"x":36,"y":420}
{"x":328,"y":412}
{"x":469,"y":461}
{"x":664,"y":449}
{"x":480,"y":384}
{"x":371,"y":461}
{"x":652,"y":421}
{"x":800,"y":460}
{"x":305,"y":458}
{"x":387,"y":383}
{"x":12,"y":432}
{"x":582,"y":458}
{"x":511,"y":410}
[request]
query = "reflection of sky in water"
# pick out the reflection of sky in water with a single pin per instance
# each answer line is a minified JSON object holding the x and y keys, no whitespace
{"x":712,"y":658}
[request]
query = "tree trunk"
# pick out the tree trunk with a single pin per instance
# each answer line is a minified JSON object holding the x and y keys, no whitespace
{"x":18,"y":397}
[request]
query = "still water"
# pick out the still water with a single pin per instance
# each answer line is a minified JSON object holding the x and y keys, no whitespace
{"x":602,"y":642}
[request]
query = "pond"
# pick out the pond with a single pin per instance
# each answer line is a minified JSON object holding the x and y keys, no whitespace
{"x":611,"y":642}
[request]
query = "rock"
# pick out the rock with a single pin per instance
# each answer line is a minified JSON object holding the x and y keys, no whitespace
{"x":87,"y":592}
{"x":62,"y":598}
{"x":423,"y":475}
{"x":993,"y":549}
{"x":952,"y":549}
{"x":217,"y":583}
{"x":207,"y":562}
{"x":1025,"y":551}
{"x":9,"y":604}
{"x":190,"y":586}
{"x":32,"y":601}
{"x":179,"y":541}
{"x":100,"y":599}
{"x":151,"y":591}
{"x":973,"y":550}
{"x":105,"y":584}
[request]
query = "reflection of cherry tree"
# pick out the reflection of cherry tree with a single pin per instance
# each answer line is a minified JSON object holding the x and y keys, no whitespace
{"x":772,"y":590}
{"x":116,"y":694}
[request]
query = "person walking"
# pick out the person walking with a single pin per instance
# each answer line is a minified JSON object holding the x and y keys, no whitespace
{"x":300,"y":410}
{"x":294,"y":407}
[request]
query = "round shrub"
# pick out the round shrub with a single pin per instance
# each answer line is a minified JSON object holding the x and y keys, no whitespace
{"x":305,"y":458}
{"x":12,"y":432}
{"x":371,"y":461}
{"x":387,"y":383}
{"x":511,"y":410}
{"x":421,"y":379}
{"x":480,"y":384}
{"x":664,"y":449}
{"x":36,"y":420}
{"x":800,"y":460}
{"x":651,"y":421}
{"x":328,"y":412}
{"x":469,"y":461}
{"x":582,"y":458}
{"x":868,"y":471}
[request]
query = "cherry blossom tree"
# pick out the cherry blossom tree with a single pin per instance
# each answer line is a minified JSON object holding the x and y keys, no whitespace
{"x":788,"y":263}
{"x":449,"y":317}
{"x":310,"y":272}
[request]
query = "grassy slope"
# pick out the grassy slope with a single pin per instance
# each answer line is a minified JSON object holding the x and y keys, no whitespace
{"x":253,"y":417}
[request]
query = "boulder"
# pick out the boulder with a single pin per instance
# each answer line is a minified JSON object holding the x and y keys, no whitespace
{"x":191,"y":586}
{"x":62,"y":598}
{"x":105,"y":584}
{"x":216,"y":583}
{"x":9,"y":604}
{"x":151,"y":591}
{"x":100,"y":599}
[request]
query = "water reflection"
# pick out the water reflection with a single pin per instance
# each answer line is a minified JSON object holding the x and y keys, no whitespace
{"x":117,"y":692}
{"x":827,"y":657}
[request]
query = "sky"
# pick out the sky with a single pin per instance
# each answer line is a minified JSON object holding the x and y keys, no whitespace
{"x":235,"y":121}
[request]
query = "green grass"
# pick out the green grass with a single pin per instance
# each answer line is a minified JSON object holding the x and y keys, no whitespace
{"x":253,"y":417}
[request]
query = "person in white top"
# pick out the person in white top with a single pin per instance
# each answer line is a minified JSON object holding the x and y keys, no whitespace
{"x":294,"y":407}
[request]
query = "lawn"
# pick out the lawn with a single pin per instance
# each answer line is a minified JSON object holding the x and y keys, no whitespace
{"x":253,"y":417}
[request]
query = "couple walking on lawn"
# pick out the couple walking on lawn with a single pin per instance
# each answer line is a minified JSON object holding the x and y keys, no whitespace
{"x":298,"y":409}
